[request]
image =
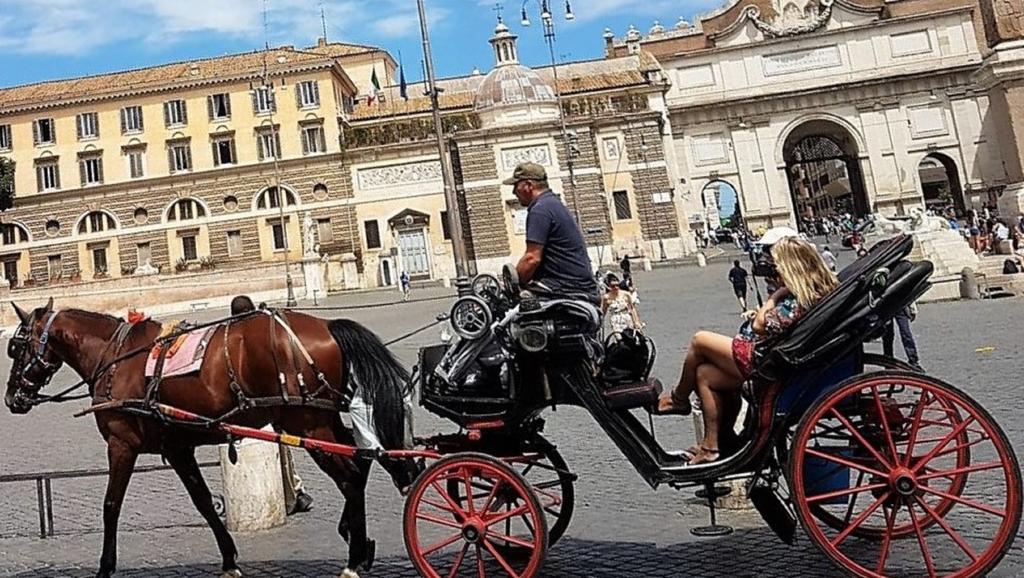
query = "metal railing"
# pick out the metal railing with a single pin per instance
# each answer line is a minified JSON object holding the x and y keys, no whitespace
{"x":44,"y":491}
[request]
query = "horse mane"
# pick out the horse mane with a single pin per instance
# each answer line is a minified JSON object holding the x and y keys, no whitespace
{"x":93,"y":315}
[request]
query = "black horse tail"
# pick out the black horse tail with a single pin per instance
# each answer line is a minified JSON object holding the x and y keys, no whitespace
{"x":383,"y":381}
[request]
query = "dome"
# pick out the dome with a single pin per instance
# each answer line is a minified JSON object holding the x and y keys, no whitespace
{"x":512,"y":85}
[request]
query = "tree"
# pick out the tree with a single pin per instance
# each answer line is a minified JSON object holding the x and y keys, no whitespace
{"x":6,"y":184}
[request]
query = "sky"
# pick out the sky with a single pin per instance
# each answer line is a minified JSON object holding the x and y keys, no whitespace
{"x":51,"y":39}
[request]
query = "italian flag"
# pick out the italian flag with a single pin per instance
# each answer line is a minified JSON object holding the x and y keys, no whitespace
{"x":374,"y":88}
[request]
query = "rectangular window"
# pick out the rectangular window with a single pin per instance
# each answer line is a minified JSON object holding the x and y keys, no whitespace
{"x":88,"y":125}
{"x":219,"y":106}
{"x":277,"y":232}
{"x":90,"y":169}
{"x":268,"y":144}
{"x":446,"y":231}
{"x":307,"y":94}
{"x":11,"y":271}
{"x":263,"y":101}
{"x":313,"y":140}
{"x":48,"y":176}
{"x":622,"y":210}
{"x":179,"y":156}
{"x":189,"y":250}
{"x":99,"y":260}
{"x":144,"y":254}
{"x":224,"y":152}
{"x":175,"y":113}
{"x":131,"y":120}
{"x":234,"y":243}
{"x":372,"y":235}
{"x":54,"y":267}
{"x":5,"y":137}
{"x":324,"y":232}
{"x":44,"y":132}
{"x":136,"y":163}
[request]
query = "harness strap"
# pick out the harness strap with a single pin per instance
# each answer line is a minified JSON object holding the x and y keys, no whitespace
{"x":297,"y":344}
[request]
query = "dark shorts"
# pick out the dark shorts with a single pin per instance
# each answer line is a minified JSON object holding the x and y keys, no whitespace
{"x":740,"y":290}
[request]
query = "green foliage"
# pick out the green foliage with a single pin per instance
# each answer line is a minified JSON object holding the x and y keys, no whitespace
{"x":6,"y":184}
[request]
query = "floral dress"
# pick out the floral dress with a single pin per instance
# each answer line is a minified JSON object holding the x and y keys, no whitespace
{"x":776,"y":322}
{"x":619,"y":316}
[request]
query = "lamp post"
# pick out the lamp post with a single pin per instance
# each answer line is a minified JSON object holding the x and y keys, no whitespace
{"x":571,"y":139}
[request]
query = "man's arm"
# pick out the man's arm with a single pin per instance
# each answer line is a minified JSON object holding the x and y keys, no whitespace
{"x":529,"y":262}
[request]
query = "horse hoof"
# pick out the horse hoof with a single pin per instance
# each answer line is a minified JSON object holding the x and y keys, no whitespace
{"x":349,"y":573}
{"x":236,"y":573}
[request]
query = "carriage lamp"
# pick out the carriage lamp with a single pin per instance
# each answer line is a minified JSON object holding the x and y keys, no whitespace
{"x":533,"y":338}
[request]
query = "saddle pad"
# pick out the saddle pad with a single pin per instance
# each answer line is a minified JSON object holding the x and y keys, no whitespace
{"x":184,"y":356}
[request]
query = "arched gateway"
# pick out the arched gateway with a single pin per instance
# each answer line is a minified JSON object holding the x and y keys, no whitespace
{"x":823,"y":169}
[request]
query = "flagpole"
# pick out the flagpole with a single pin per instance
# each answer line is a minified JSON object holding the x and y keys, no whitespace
{"x":450,"y":195}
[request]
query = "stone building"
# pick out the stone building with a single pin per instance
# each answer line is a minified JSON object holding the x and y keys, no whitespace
{"x":769,"y":95}
{"x":216,"y":164}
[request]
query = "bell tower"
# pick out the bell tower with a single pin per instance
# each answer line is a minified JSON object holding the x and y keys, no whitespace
{"x":505,"y":47}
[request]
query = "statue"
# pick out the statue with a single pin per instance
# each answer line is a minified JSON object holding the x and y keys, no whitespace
{"x":146,"y":268}
{"x":309,"y":244}
{"x":792,"y":20}
{"x":886,"y":226}
{"x":920,"y":222}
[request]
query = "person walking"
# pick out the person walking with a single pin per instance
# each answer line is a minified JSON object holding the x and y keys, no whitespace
{"x":625,"y":265}
{"x":738,"y":278}
{"x":406,"y":289}
{"x":902,"y":320}
{"x":620,"y":307}
{"x":830,"y":259}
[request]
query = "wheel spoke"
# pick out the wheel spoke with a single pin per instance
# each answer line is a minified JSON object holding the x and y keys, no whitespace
{"x":458,"y":561}
{"x":443,"y":543}
{"x":490,"y":498}
{"x":853,"y":502}
{"x":505,"y":516}
{"x":846,"y":492}
{"x":958,"y":471}
{"x":501,"y":559}
{"x":438,"y":521}
{"x":964,"y":501}
{"x":860,"y":520}
{"x":860,"y":438}
{"x":915,"y":426}
{"x":495,"y":536}
{"x":454,"y":507}
{"x":922,"y":542}
{"x":883,"y":556}
{"x":949,"y":530}
{"x":439,"y":505}
{"x":845,"y":462}
{"x":480,"y":572}
{"x":942,"y":444}
{"x":469,"y":490}
{"x":885,"y":425}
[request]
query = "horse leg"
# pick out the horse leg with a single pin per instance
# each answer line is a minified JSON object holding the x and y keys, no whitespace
{"x":121,"y":458}
{"x":183,"y":460}
{"x":350,"y":476}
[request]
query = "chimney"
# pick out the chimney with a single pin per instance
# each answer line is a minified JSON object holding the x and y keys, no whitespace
{"x":321,"y":42}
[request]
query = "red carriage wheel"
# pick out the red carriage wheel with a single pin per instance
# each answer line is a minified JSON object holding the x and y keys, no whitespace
{"x":445,"y":537}
{"x":869,"y":408}
{"x":900,"y":469}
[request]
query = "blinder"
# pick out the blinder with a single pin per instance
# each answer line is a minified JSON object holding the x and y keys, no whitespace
{"x":21,"y":342}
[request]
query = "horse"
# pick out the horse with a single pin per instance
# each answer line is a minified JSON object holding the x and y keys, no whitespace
{"x":252,"y":356}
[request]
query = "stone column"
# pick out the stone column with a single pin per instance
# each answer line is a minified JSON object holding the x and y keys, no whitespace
{"x":253,"y":488}
{"x":1002,"y":74}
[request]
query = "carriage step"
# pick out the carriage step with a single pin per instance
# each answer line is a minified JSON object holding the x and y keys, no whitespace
{"x":710,"y":492}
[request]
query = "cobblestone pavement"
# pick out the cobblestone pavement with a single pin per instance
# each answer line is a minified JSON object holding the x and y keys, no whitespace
{"x":621,"y":527}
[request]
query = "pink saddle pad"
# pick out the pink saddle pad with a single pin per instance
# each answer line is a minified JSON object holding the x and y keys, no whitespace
{"x":188,"y":358}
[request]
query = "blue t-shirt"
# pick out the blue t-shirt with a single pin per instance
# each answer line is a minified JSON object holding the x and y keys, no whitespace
{"x":565,"y":264}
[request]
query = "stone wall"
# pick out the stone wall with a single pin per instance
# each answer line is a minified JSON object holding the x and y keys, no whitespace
{"x":484,"y":221}
{"x":1003,"y":19}
{"x":590,"y":199}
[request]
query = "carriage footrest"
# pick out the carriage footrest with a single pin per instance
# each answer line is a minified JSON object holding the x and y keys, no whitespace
{"x":633,"y":395}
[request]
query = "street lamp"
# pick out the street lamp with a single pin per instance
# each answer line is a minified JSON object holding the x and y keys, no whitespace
{"x":571,"y":139}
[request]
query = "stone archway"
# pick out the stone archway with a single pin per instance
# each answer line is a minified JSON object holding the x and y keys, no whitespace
{"x":722,"y":205}
{"x":823,"y":170}
{"x":940,"y":183}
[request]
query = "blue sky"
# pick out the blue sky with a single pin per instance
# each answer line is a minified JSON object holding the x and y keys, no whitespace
{"x":48,"y":39}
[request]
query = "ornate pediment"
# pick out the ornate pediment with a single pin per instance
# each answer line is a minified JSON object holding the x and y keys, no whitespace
{"x":792,"y":17}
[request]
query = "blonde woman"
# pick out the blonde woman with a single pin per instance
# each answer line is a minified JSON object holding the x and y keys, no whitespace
{"x":716,"y":365}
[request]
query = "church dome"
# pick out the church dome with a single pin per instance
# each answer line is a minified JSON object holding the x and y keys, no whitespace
{"x":512,"y":85}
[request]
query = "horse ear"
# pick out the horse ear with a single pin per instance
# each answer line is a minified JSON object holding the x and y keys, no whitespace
{"x":49,"y":305}
{"x":21,"y":313}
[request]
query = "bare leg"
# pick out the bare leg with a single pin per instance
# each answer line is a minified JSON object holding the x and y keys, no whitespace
{"x":121,"y":458}
{"x":713,"y":384}
{"x":705,"y":348}
{"x":183,"y":460}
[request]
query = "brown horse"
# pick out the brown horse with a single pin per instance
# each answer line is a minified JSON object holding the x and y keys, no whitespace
{"x":262,"y":360}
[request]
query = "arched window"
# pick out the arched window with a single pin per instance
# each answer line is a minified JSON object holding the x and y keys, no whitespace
{"x":13,"y":234}
{"x":271,"y":199}
{"x":96,"y":222}
{"x":186,"y":210}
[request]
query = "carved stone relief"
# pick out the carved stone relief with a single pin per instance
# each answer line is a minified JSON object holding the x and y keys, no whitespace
{"x":539,"y":154}
{"x":398,"y":175}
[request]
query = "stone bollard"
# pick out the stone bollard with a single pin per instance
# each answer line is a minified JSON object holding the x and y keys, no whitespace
{"x":253,"y":488}
{"x":702,"y":260}
{"x":969,"y":285}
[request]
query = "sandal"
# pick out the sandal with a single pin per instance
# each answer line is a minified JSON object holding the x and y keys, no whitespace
{"x":705,"y":456}
{"x":668,"y":405}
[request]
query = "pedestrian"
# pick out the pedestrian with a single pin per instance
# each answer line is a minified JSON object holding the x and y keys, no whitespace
{"x":619,"y":305}
{"x":830,"y":259}
{"x":904,"y":317}
{"x":625,"y":265}
{"x":406,"y":289}
{"x":738,"y":278}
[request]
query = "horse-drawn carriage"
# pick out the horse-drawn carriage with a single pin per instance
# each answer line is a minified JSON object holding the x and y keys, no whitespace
{"x":889,"y":471}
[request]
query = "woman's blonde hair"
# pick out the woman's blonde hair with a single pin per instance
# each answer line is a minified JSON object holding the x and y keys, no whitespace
{"x":803,"y":270}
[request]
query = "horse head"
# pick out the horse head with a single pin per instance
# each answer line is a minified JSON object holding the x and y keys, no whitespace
{"x":33,"y":362}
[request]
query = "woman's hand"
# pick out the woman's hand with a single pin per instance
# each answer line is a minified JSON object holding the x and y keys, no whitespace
{"x":748,"y":315}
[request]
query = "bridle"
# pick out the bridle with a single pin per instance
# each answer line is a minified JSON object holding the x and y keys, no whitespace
{"x":21,"y":341}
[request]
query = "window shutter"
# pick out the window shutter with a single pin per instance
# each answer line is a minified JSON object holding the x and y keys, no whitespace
{"x":305,"y":141}
{"x":56,"y":176}
{"x":81,"y":172}
{"x":323,"y":139}
{"x":188,"y":157}
{"x":209,"y":106}
{"x":216,"y":154}
{"x":316,"y":93}
{"x":78,"y":125}
{"x":184,"y":111}
{"x":272,"y":99}
{"x":96,"y":124}
{"x":39,"y":179}
{"x":298,"y":93}
{"x":35,"y":132}
{"x":255,"y":101}
{"x":234,"y":154}
{"x":227,"y":104}
{"x":277,"y":144}
{"x":124,"y":120}
{"x":170,"y":159}
{"x":259,"y":146}
{"x":99,"y":169}
{"x":138,"y":109}
{"x":167,"y":113}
